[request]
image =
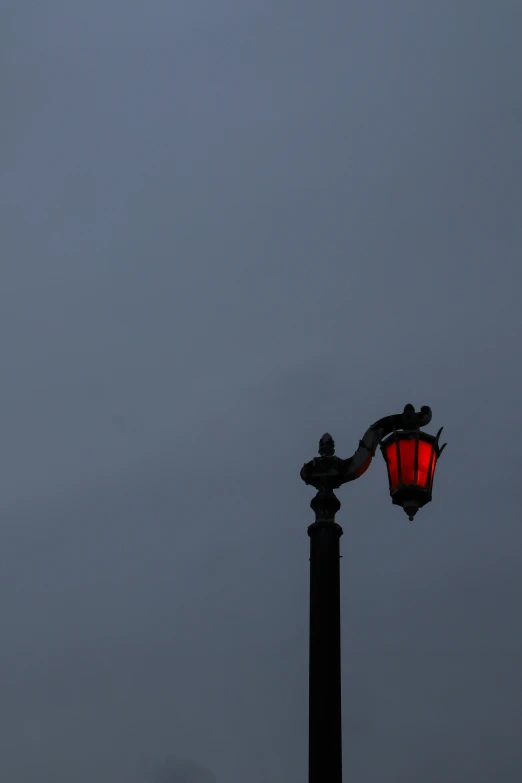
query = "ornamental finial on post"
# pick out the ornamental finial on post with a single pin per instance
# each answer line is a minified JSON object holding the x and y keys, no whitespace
{"x":325,"y":474}
{"x":326,"y":445}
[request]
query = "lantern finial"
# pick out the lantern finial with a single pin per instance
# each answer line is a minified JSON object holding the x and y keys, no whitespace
{"x":411,"y":509}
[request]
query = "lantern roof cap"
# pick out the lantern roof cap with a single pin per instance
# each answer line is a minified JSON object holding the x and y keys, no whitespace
{"x":417,"y":433}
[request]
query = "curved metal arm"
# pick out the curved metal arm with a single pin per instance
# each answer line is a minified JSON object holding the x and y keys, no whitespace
{"x":360,"y":462}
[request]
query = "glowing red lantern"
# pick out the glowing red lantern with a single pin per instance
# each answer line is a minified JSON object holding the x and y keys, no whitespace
{"x":411,"y":458}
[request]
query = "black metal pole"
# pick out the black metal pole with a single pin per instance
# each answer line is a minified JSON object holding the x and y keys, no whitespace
{"x":325,"y":723}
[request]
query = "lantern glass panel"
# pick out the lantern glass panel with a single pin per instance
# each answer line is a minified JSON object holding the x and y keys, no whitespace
{"x":393,"y":465}
{"x":433,"y":466}
{"x":407,"y":448}
{"x":425,"y":451}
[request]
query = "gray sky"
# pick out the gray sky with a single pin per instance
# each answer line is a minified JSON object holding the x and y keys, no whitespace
{"x":225,"y":228}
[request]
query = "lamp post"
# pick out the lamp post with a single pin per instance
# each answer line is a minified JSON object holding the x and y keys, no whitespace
{"x":411,"y":457}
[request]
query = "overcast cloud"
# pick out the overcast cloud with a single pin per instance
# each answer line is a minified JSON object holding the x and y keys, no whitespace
{"x":226,"y":227}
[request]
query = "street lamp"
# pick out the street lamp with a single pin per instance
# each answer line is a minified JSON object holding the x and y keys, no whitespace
{"x":411,"y":457}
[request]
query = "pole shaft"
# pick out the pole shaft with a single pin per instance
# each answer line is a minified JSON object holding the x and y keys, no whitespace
{"x":325,"y":721}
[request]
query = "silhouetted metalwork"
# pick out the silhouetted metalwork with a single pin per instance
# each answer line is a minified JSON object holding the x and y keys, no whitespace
{"x":411,"y":457}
